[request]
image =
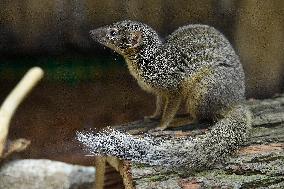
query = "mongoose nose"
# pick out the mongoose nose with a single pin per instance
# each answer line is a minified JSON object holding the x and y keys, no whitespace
{"x":97,"y":34}
{"x":92,"y":34}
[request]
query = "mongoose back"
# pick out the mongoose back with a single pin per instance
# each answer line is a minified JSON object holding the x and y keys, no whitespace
{"x":195,"y":66}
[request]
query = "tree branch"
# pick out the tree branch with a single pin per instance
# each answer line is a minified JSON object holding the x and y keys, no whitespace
{"x":11,"y":103}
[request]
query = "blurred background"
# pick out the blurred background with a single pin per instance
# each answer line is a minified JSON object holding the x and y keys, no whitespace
{"x":87,"y":86}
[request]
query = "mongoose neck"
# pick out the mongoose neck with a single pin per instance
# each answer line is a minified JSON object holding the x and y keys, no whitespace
{"x":146,"y":52}
{"x":139,"y":60}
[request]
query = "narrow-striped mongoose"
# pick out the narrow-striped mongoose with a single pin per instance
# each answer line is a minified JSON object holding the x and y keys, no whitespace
{"x":195,"y":66}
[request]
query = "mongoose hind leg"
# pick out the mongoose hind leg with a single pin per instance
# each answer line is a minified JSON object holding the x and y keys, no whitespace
{"x":160,"y":106}
{"x":171,"y":107}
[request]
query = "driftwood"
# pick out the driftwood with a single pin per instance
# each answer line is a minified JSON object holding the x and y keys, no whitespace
{"x":8,"y":108}
{"x":259,"y":164}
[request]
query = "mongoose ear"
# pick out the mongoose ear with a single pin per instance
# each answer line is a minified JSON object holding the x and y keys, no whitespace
{"x":135,"y":38}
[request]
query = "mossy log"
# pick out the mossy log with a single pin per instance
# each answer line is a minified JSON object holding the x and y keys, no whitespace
{"x":259,"y":164}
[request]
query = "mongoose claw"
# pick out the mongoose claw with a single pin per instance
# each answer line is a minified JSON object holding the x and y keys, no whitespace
{"x":161,"y":127}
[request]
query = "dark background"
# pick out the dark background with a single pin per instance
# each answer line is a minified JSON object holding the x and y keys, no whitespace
{"x":87,"y":86}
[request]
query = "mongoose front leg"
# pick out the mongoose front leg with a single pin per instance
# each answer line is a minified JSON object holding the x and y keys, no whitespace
{"x":160,"y":106}
{"x":171,"y":107}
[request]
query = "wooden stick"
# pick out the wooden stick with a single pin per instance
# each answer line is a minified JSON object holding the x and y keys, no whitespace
{"x":13,"y":100}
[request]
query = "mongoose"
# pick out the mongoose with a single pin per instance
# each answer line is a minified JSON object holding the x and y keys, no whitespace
{"x":195,"y":66}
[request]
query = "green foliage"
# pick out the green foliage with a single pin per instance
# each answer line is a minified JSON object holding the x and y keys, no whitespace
{"x":60,"y":69}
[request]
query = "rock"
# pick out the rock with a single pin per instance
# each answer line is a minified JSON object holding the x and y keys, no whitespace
{"x":45,"y":174}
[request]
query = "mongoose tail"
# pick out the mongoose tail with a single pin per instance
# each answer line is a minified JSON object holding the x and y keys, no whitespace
{"x":227,"y":135}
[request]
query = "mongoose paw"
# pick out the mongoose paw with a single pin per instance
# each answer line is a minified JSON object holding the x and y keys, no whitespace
{"x":161,"y":127}
{"x":157,"y":130}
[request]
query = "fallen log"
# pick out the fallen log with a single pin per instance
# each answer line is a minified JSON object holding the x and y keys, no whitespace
{"x":259,"y":164}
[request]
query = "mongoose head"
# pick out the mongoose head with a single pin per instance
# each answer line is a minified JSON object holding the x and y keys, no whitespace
{"x":126,"y":37}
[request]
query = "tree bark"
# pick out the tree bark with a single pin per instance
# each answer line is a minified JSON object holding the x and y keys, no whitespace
{"x":259,"y":164}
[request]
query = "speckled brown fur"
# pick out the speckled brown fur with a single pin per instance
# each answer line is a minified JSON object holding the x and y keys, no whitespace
{"x":197,"y":65}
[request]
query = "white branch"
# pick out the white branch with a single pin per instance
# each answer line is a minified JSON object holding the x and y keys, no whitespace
{"x":11,"y":103}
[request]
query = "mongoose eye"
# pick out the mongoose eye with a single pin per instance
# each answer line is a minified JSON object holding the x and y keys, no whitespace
{"x":113,"y":33}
